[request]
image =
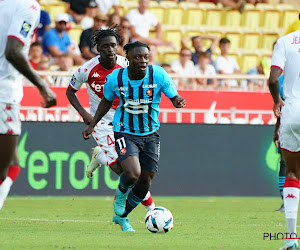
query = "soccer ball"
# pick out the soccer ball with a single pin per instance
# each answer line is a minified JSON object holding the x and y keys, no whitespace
{"x":159,"y":220}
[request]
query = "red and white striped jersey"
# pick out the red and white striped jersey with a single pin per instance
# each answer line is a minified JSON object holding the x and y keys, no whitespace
{"x":18,"y":19}
{"x":94,"y":75}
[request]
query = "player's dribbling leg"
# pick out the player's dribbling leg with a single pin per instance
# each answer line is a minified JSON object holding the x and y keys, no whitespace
{"x":148,"y":202}
{"x":281,"y":180}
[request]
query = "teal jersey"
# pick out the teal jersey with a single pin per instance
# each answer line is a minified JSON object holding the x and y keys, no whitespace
{"x":138,"y":110}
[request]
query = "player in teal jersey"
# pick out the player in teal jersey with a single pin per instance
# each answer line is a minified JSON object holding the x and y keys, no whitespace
{"x":135,"y":125}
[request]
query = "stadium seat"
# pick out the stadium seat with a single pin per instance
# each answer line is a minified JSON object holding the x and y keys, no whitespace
{"x":173,"y":17}
{"x":75,"y":33}
{"x":188,"y":5}
{"x":193,"y":18}
{"x":207,"y":5}
{"x":251,"y":19}
{"x":159,"y":13}
{"x":268,"y":40}
{"x":235,"y":40}
{"x":213,"y":18}
{"x":55,"y":9}
{"x":284,"y":6}
{"x":248,"y":61}
{"x":264,"y":6}
{"x":289,"y":16}
{"x":168,"y":4}
{"x":232,"y":19}
{"x":153,"y":4}
{"x":271,"y":20}
{"x":173,"y":36}
{"x":250,"y":41}
{"x":170,"y":57}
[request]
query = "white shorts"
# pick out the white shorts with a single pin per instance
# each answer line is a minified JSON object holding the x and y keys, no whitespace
{"x":104,"y":136}
{"x":10,"y":123}
{"x":289,"y":131}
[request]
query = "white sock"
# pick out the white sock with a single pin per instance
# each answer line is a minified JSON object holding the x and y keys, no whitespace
{"x":101,"y":157}
{"x":4,"y":189}
{"x":147,"y":196}
{"x":291,"y":204}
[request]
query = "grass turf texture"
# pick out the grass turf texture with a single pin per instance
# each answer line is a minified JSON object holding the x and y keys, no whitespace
{"x":85,"y":223}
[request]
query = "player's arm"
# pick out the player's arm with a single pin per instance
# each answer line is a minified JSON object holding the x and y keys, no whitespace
{"x":274,"y":90}
{"x":275,"y":138}
{"x":14,"y":54}
{"x":71,"y":94}
{"x":178,"y":101}
{"x":102,"y":109}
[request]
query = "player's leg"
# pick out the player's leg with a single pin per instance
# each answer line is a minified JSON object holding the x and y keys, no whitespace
{"x":8,"y":146}
{"x":291,"y":193}
{"x":281,"y":180}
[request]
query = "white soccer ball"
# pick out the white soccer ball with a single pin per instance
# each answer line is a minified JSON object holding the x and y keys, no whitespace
{"x":159,"y":220}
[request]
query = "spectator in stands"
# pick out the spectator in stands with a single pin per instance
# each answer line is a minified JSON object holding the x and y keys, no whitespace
{"x":90,"y":13}
{"x":105,"y":5}
{"x":76,"y":9}
{"x":114,"y":19}
{"x":125,"y":33}
{"x":65,"y":63}
{"x":35,"y":54}
{"x":197,"y":43}
{"x":43,"y":65}
{"x":185,"y":66}
{"x":225,"y":64}
{"x":57,"y":42}
{"x":153,"y":55}
{"x":233,"y":4}
{"x":44,"y":24}
{"x":167,"y":68}
{"x":204,"y":68}
{"x":141,"y":20}
{"x":254,"y":2}
{"x":262,"y":69}
{"x":85,"y":45}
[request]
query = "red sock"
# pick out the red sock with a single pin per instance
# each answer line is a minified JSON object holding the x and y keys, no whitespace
{"x":13,"y":172}
{"x":147,"y":202}
{"x":1,"y":182}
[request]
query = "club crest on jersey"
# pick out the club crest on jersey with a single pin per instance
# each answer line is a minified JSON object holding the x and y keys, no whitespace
{"x":149,"y":92}
{"x":25,"y":29}
{"x":123,"y":151}
{"x":73,"y":80}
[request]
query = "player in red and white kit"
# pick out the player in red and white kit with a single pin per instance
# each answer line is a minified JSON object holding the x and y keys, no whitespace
{"x":286,"y":57}
{"x":18,"y":20}
{"x":94,"y":73}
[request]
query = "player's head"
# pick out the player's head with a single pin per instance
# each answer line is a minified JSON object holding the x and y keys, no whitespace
{"x":106,"y":41}
{"x":137,"y":54}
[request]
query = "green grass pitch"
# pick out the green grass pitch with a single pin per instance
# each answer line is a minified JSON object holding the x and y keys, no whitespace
{"x":85,"y":223}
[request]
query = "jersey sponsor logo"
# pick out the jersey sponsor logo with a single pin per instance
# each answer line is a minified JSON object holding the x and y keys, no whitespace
{"x":97,"y":87}
{"x":151,"y":86}
{"x":34,"y":7}
{"x":25,"y":29}
{"x":73,"y":80}
{"x":95,"y":74}
{"x":134,"y":107}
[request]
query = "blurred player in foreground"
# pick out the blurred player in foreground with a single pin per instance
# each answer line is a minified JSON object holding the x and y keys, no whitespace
{"x":18,"y":20}
{"x":286,"y":57}
{"x":281,"y":174}
{"x":94,"y":73}
{"x":139,"y":88}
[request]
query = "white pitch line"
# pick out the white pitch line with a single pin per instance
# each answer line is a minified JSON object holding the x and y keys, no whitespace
{"x":50,"y":220}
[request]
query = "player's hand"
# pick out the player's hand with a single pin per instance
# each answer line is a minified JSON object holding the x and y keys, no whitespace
{"x":276,"y":108}
{"x":180,"y":102}
{"x":87,"y":132}
{"x":87,"y":118}
{"x":48,"y":96}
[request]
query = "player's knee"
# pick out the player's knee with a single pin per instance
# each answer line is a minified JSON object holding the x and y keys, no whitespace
{"x":133,"y":175}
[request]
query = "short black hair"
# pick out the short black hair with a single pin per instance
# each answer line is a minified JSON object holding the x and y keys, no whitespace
{"x":110,"y":31}
{"x":130,"y":46}
{"x":224,"y":40}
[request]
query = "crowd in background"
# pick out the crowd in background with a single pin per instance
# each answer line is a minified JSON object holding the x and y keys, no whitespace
{"x":53,"y":49}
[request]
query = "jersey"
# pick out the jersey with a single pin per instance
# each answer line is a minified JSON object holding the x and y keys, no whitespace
{"x":286,"y":56}
{"x":18,"y":19}
{"x":138,"y":110}
{"x":93,"y":74}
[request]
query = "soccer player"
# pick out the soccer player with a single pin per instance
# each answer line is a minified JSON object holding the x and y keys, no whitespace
{"x":139,"y":89}
{"x":281,"y":174}
{"x":94,"y":73}
{"x":286,"y":57}
{"x":18,"y":20}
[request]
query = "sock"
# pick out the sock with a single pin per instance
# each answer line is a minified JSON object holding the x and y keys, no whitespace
{"x":291,"y":203}
{"x":148,"y":201}
{"x":124,"y":183}
{"x":13,"y":172}
{"x":281,"y":177}
{"x":135,"y":196}
{"x":102,"y":158}
{"x":4,"y":189}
